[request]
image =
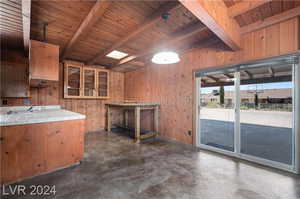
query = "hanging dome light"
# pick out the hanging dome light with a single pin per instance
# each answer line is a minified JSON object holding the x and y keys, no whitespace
{"x":166,"y":57}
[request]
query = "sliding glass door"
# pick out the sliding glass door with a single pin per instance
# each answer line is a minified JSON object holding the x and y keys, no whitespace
{"x":217,"y":111}
{"x":266,"y":113}
{"x":248,"y":112}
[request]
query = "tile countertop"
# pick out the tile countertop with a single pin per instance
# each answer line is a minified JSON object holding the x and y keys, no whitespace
{"x":18,"y":115}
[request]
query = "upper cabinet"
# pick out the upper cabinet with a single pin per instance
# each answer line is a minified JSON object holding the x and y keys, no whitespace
{"x":43,"y":61}
{"x":85,"y":82}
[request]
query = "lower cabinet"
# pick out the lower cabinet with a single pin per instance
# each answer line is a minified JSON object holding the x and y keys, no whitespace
{"x":31,"y":149}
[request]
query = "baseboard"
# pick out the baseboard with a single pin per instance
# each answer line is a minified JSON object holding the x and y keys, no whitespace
{"x":166,"y":139}
{"x":40,"y":174}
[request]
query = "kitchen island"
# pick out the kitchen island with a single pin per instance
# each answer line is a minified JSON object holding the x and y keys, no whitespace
{"x":137,"y":108}
{"x":38,"y":139}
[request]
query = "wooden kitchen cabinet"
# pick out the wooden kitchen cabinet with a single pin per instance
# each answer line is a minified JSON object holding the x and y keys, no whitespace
{"x":32,"y":149}
{"x":43,"y":61}
{"x":73,"y":80}
{"x":18,"y":157}
{"x":82,"y":81}
{"x":66,"y":139}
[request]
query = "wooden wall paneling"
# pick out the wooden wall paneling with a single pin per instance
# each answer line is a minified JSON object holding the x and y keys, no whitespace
{"x":289,"y":36}
{"x":14,"y":77}
{"x":248,"y":48}
{"x":172,"y":85}
{"x":259,"y":43}
{"x":273,"y":40}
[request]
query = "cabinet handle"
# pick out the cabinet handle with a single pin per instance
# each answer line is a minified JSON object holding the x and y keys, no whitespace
{"x":1,"y":139}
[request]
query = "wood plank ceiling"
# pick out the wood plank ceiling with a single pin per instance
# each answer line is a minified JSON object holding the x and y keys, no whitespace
{"x":120,"y":19}
{"x":87,"y":30}
{"x":265,"y":9}
{"x":11,"y":30}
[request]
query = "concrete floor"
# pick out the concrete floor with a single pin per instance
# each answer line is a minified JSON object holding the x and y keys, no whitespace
{"x":116,"y":168}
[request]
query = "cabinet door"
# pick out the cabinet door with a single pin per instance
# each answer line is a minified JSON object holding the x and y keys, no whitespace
{"x":102,"y":87}
{"x":89,"y":82}
{"x":65,"y":138}
{"x":22,"y":152}
{"x":72,"y":81}
{"x":44,"y":61}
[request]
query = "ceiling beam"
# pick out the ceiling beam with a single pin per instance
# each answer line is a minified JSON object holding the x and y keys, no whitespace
{"x":250,"y":75}
{"x":245,"y":6}
{"x":150,"y":21}
{"x":271,"y":71}
{"x":271,"y":20}
{"x":228,"y":75}
{"x":214,"y":14}
{"x":252,"y":81}
{"x":26,"y":10}
{"x":92,"y":17}
{"x":163,"y":43}
{"x":212,"y":78}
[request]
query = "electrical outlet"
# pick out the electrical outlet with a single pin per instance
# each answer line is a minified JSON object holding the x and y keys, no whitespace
{"x":190,"y":133}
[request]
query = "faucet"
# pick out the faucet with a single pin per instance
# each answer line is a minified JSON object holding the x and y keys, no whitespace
{"x":30,"y":109}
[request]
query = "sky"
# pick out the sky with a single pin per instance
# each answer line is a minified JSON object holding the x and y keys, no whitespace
{"x":263,"y":86}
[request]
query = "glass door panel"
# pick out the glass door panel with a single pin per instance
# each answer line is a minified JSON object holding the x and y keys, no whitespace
{"x":266,"y":113}
{"x":217,"y":115}
{"x":73,"y":87}
{"x":102,"y":84}
{"x":89,"y":82}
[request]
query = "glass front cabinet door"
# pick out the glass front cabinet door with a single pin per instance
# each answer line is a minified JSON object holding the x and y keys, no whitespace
{"x":72,"y":82}
{"x":85,"y":82}
{"x":89,"y":82}
{"x":102,"y":84}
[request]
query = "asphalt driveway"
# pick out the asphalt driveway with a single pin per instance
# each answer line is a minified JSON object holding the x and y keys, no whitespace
{"x":272,"y":141}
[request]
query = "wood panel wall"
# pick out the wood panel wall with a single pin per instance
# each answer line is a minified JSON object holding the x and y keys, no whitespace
{"x":94,"y":109}
{"x":172,"y":86}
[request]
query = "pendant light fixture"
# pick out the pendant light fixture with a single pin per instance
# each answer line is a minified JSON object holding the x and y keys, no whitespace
{"x":165,"y":57}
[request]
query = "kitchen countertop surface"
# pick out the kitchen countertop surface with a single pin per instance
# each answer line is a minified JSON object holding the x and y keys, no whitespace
{"x":18,"y":115}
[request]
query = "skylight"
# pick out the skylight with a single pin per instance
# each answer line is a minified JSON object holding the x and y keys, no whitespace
{"x":116,"y":54}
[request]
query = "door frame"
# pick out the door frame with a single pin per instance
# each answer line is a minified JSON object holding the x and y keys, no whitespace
{"x":237,"y":138}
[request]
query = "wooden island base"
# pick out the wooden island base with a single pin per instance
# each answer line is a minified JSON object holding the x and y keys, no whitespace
{"x":32,"y":149}
{"x":137,"y":108}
